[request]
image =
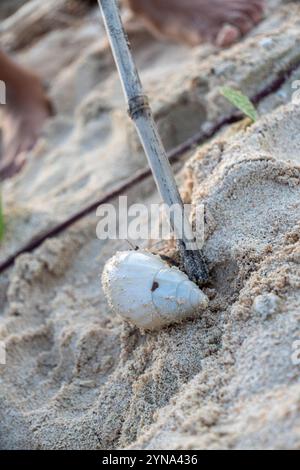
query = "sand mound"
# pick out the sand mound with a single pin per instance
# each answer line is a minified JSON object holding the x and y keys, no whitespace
{"x":77,"y":377}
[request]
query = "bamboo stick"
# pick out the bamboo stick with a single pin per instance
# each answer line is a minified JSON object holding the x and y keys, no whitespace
{"x":140,"y":112}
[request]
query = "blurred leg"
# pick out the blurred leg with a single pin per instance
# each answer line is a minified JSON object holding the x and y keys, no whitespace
{"x":193,"y":21}
{"x":26,"y":109}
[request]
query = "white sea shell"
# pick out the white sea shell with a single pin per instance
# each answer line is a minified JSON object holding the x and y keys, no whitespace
{"x":144,"y":290}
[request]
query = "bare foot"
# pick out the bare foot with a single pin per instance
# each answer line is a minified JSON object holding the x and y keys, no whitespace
{"x":193,"y":21}
{"x":24,"y":115}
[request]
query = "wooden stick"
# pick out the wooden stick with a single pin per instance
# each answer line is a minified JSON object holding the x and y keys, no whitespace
{"x":140,"y":112}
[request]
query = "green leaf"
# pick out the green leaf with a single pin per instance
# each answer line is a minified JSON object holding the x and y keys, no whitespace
{"x":240,"y":101}
{"x":1,"y":220}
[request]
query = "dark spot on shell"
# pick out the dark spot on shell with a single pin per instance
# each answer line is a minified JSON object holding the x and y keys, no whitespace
{"x":155,"y":286}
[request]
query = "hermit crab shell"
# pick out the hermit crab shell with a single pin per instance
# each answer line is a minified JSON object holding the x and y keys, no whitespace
{"x":144,"y":290}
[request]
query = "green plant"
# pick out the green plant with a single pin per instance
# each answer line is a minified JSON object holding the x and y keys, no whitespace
{"x":1,"y":220}
{"x":240,"y":101}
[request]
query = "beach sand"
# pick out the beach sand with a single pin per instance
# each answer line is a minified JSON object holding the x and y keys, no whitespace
{"x":78,"y":377}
